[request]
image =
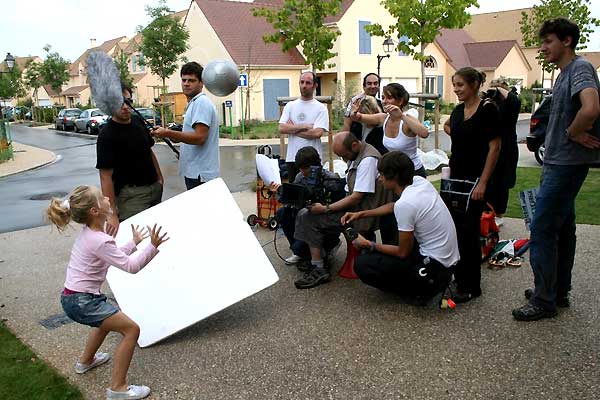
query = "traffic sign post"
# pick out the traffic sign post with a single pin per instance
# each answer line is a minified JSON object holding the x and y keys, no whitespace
{"x":243,"y":83}
{"x":229,"y":104}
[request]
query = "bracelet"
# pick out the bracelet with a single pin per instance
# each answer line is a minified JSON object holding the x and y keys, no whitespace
{"x":327,"y":208}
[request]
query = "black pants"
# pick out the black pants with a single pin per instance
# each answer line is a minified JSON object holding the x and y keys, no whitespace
{"x":414,"y":276}
{"x":468,"y":269}
{"x":191,"y":183}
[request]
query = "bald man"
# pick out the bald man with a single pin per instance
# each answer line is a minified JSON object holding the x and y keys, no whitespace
{"x":364,"y":192}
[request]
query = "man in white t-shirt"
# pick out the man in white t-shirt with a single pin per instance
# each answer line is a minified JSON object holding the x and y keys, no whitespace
{"x":420,"y":265}
{"x":304,"y":121}
{"x":317,"y":221}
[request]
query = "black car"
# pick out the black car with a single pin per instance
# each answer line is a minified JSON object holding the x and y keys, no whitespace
{"x":537,"y":129}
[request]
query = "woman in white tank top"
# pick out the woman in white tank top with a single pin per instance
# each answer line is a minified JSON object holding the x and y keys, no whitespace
{"x":400,"y":129}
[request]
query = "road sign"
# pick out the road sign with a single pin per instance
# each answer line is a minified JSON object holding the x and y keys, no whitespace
{"x":228,"y":103}
{"x":243,"y":80}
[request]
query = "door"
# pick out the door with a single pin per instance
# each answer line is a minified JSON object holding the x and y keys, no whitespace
{"x":273,"y":88}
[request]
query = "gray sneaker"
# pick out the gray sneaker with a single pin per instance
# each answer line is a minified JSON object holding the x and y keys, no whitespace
{"x":99,"y":359}
{"x":133,"y":392}
{"x":315,"y":277}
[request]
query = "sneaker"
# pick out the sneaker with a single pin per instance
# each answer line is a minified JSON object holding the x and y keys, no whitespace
{"x":313,"y":278}
{"x":531,"y":312}
{"x":99,"y":359}
{"x":293,"y":260}
{"x":133,"y":392}
{"x":561,"y":301}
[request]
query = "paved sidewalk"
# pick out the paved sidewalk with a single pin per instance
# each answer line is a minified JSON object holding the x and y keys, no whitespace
{"x":342,"y":340}
{"x":26,"y":158}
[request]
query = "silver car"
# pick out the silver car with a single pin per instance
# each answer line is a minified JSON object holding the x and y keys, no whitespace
{"x":89,"y":120}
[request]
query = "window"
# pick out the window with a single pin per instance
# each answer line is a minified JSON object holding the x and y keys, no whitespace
{"x":141,"y":61}
{"x":403,"y":39}
{"x":430,"y":63}
{"x":133,"y":63}
{"x":430,"y":84}
{"x":364,"y":38}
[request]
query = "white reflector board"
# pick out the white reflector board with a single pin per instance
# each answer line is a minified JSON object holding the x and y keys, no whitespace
{"x":213,"y":260}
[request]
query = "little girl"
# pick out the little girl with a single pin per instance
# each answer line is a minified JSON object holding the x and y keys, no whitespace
{"x":93,"y":252}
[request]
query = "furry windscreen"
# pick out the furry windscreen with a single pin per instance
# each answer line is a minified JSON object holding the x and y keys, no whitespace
{"x":105,"y":82}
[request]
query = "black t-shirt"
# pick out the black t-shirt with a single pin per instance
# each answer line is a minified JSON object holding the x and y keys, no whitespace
{"x":470,"y":139}
{"x":126,"y":149}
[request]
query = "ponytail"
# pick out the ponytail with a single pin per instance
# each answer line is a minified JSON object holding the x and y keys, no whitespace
{"x":472,"y":76}
{"x":76,"y":207}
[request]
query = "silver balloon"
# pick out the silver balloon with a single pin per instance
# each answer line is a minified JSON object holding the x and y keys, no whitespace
{"x":221,"y":77}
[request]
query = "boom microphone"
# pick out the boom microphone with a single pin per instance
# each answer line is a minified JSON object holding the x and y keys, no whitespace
{"x":105,"y":84}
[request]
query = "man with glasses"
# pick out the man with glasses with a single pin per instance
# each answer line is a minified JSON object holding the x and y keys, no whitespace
{"x":129,"y":172}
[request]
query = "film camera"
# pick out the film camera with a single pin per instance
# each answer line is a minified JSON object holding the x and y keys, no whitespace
{"x":492,"y":95}
{"x":316,"y":189}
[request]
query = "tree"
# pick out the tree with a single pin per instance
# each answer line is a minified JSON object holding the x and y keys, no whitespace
{"x":575,"y":10}
{"x":55,"y":69}
{"x":33,"y":80}
{"x":122,"y":63}
{"x":301,"y":23}
{"x":164,"y":40}
{"x":421,"y":21}
{"x":11,"y":84}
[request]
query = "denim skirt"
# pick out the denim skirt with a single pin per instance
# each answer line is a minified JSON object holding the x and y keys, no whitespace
{"x":87,"y":309}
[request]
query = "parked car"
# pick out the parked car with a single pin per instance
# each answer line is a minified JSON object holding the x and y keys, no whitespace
{"x":150,"y":116}
{"x":537,"y":129}
{"x":66,"y":118}
{"x":89,"y":120}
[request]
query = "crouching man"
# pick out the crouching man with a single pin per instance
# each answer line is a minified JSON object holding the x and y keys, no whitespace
{"x":420,"y":265}
{"x":315,"y":223}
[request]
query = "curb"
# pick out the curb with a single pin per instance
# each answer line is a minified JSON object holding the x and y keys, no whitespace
{"x":55,"y":159}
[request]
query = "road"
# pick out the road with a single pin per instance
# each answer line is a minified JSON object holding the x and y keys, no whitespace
{"x":24,"y":196}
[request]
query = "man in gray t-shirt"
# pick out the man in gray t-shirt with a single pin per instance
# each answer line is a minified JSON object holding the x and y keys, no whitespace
{"x":572,"y":144}
{"x":199,"y":160}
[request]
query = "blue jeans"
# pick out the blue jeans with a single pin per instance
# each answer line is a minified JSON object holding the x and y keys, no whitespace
{"x":552,"y":243}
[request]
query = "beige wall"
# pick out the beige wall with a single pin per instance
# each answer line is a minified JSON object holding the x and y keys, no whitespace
{"x":349,"y":60}
{"x":205,"y":45}
{"x":513,"y":66}
{"x":144,"y":91}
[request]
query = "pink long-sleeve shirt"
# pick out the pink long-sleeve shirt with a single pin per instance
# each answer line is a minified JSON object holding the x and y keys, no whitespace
{"x":92,"y":254}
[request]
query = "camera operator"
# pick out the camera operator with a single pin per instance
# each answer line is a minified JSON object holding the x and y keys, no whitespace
{"x":364,"y":192}
{"x":420,"y":265}
{"x":306,"y":158}
{"x":504,"y":176}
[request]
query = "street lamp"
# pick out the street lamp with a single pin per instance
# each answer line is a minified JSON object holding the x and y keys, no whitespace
{"x":6,"y":149}
{"x":10,"y":63}
{"x":388,"y":47}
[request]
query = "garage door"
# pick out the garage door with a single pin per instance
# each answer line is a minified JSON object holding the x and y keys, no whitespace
{"x":273,"y":88}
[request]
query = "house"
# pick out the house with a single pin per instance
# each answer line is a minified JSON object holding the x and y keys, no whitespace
{"x":455,"y":48}
{"x":22,"y":63}
{"x":504,"y":25}
{"x":77,"y":91}
{"x":222,"y":29}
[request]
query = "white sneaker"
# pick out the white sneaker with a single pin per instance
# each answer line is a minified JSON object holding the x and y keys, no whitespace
{"x":99,"y":359}
{"x":133,"y":392}
{"x":499,"y":221}
{"x":293,"y":260}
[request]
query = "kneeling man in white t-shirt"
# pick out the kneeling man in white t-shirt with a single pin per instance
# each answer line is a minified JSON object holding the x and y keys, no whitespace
{"x":420,"y":265}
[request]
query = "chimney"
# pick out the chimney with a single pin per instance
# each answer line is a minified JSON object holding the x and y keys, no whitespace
{"x":92,"y":43}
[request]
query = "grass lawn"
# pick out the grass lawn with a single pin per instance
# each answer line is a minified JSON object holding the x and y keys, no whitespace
{"x":587,"y":203}
{"x":23,"y":376}
{"x":254,"y":130}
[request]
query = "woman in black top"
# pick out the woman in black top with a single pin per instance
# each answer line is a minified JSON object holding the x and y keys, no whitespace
{"x":473,"y":127}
